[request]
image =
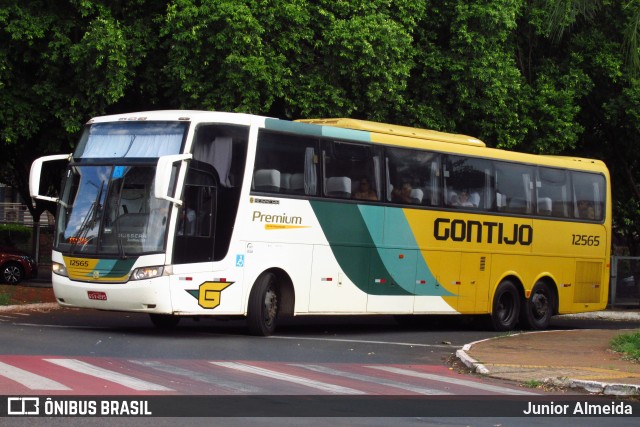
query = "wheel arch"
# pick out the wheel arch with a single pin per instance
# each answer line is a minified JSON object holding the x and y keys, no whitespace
{"x":286,"y":291}
{"x":513,"y":278}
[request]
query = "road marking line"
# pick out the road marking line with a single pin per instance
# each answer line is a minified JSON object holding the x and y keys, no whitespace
{"x":330,"y":388}
{"x":30,"y":380}
{"x":105,"y":374}
{"x":450,"y":380}
{"x":61,"y":326}
{"x":406,"y":344}
{"x":376,"y":380}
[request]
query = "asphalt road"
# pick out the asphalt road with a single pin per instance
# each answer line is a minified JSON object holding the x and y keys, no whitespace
{"x":69,"y":352}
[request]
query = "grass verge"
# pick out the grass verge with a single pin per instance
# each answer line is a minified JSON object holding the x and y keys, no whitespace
{"x":6,"y":296}
{"x":628,"y":345}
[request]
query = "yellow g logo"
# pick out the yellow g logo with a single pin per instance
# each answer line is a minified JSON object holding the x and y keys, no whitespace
{"x":210,"y":293}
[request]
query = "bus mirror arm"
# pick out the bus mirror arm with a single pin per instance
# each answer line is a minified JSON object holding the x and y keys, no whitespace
{"x":162,"y":179}
{"x":36,"y":172}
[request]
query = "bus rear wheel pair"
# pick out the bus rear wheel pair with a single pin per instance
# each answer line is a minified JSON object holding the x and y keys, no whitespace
{"x":510,"y":307}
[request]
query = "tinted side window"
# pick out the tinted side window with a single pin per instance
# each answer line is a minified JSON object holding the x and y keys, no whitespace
{"x":285,"y":164}
{"x":514,"y":187}
{"x":468,"y":182}
{"x":412,"y":176}
{"x":589,"y":195}
{"x":351,"y":170}
{"x":554,"y":197}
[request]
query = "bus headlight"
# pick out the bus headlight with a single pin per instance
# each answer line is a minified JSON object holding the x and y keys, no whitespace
{"x":59,"y":269}
{"x":147,"y":273}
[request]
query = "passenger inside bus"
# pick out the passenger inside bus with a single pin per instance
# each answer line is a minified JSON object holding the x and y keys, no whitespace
{"x":465,"y":199}
{"x":365,"y":192}
{"x":402,"y":194}
{"x":188,"y":215}
{"x":187,"y":222}
{"x":585,"y":210}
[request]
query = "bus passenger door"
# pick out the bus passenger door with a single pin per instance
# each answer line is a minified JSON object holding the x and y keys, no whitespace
{"x":194,"y":241}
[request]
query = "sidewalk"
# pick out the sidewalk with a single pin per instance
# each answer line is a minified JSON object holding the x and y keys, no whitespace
{"x":567,"y":358}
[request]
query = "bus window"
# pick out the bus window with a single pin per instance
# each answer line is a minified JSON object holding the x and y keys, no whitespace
{"x":412,"y":176}
{"x":588,"y":190}
{"x":514,"y":187}
{"x":285,"y":164}
{"x":347,"y":166}
{"x":553,"y":192}
{"x":468,"y":182}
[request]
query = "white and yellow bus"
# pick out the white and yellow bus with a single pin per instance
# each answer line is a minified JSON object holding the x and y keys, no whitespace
{"x":193,"y":213}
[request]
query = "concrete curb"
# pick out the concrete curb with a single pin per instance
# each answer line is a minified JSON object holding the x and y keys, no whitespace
{"x":609,"y":389}
{"x":39,"y":306}
{"x":469,"y":361}
{"x":605,"y":315}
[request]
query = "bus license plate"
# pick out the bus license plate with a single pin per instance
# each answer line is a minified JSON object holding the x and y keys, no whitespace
{"x":100,"y":296}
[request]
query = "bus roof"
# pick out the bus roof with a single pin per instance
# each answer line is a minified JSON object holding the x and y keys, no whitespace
{"x":383,"y":128}
{"x":178,"y":115}
{"x":387,"y":133}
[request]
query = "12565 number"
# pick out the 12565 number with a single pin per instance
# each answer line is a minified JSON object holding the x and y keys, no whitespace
{"x":585,"y":240}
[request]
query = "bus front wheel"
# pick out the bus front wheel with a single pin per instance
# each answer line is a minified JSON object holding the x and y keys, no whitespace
{"x":538,"y":309}
{"x":506,"y":307}
{"x":263,"y":306}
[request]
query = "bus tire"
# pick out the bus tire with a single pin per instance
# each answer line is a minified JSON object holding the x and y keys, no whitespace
{"x":506,"y":307}
{"x":263,"y":306}
{"x":164,"y":321}
{"x":538,"y":309}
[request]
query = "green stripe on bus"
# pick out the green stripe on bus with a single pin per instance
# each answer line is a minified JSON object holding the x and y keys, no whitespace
{"x":317,"y":130}
{"x":350,"y":134}
{"x":354,"y":233}
{"x":115,"y":268}
{"x":293,"y":127}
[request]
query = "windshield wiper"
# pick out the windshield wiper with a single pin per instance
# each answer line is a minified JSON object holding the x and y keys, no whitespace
{"x":121,"y":251}
{"x":88,"y":222}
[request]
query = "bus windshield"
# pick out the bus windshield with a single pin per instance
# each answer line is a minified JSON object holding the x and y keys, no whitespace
{"x":107,"y":205}
{"x":111,"y":210}
{"x":131,"y":140}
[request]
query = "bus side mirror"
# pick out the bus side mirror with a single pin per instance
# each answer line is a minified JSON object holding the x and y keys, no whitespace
{"x":36,"y":172}
{"x":163,"y":176}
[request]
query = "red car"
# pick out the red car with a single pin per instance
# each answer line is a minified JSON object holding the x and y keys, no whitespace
{"x":16,"y":266}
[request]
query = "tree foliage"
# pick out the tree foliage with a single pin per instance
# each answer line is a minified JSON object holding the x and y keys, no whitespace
{"x":543,"y":76}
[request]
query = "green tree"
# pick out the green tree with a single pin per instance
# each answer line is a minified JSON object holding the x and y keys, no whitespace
{"x":290,"y":58}
{"x":60,"y":63}
{"x":543,"y":76}
{"x":603,"y":38}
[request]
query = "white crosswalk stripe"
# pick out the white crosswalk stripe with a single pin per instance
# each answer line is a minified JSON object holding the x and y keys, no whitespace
{"x":235,"y":377}
{"x":372,"y":379}
{"x":108,"y":375}
{"x":30,"y":380}
{"x":204,"y":377}
{"x":318,"y":385}
{"x":449,"y":380}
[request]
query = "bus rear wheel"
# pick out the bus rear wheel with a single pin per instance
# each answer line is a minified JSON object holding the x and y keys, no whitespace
{"x":538,"y":309}
{"x":506,"y":307}
{"x":263,"y":306}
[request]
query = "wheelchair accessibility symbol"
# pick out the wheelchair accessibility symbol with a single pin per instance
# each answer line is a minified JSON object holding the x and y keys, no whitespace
{"x":239,"y":260}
